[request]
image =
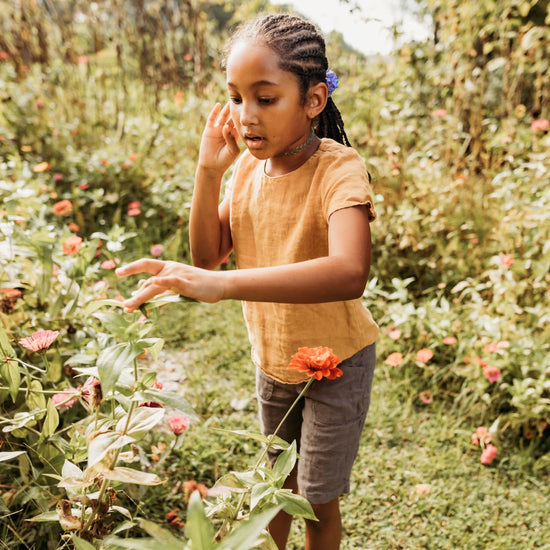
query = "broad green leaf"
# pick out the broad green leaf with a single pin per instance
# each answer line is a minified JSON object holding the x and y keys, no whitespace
{"x":94,"y":306}
{"x":9,"y":455}
{"x":52,"y":420}
{"x":129,"y":475}
{"x":112,"y":361}
{"x":198,"y":528}
{"x":143,"y":420}
{"x":19,"y":420}
{"x":246,"y":534}
{"x":293,"y":504}
{"x":5,"y":345}
{"x":285,"y":462}
{"x":168,"y":399}
{"x":161,"y":535}
{"x":259,"y":492}
{"x":45,"y":516}
{"x":104,"y":443}
{"x":81,"y":544}
{"x":35,"y":398}
{"x":10,"y":372}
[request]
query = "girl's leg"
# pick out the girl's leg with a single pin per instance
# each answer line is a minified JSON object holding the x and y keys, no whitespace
{"x":327,"y":532}
{"x":280,"y":525}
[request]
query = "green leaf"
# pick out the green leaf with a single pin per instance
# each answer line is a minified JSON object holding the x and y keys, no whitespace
{"x":169,"y":399}
{"x":112,"y":361}
{"x":277,"y":443}
{"x":293,"y":504}
{"x":9,"y":455}
{"x":94,"y":306}
{"x":130,"y":475}
{"x":5,"y":345}
{"x":46,"y":516}
{"x":161,"y":535}
{"x":36,"y":399}
{"x":81,"y":544}
{"x":285,"y":462}
{"x":10,"y":372}
{"x":52,"y":420}
{"x":143,"y":420}
{"x":198,"y":527}
{"x":247,"y":533}
{"x":104,"y":443}
{"x":259,"y":492}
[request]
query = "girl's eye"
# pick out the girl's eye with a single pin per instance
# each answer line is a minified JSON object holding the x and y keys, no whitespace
{"x":266,"y":100}
{"x":236,"y":100}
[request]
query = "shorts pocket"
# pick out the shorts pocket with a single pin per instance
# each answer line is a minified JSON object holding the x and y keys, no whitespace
{"x":264,"y":385}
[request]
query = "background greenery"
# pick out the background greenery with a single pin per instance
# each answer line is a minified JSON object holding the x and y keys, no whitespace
{"x":102,"y":104}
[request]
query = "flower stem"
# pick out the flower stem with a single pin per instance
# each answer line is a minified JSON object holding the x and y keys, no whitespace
{"x":269,"y":443}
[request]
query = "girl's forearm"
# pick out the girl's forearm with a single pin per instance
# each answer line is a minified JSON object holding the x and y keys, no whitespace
{"x":205,"y":234}
{"x":327,"y":279}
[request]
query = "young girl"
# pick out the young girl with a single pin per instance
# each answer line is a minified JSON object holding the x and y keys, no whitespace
{"x":296,"y":216}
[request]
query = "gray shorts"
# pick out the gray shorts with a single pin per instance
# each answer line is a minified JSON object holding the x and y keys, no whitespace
{"x":326,"y":424}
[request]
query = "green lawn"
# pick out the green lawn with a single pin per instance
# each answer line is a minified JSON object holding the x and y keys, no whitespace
{"x":417,"y":482}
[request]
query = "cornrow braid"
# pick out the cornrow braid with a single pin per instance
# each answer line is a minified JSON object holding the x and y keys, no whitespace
{"x":301,"y":50}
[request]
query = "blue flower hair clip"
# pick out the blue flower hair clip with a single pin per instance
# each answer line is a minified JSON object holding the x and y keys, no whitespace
{"x":332,"y":81}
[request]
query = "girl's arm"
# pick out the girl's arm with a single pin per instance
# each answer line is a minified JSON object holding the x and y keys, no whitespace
{"x":209,"y":234}
{"x":341,"y":275}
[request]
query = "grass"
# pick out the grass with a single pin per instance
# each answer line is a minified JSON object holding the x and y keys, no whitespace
{"x":417,"y":482}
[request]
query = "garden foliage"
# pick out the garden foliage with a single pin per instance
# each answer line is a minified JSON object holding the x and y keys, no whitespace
{"x":100,"y":119}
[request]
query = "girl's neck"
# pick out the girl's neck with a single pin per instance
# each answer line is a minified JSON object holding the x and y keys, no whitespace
{"x":290,"y":160}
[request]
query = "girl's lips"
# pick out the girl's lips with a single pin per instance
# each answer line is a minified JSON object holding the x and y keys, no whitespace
{"x":254,"y":142}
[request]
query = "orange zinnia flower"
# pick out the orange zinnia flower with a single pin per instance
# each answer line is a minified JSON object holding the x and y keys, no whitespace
{"x":320,"y":362}
{"x":62,"y":208}
{"x":39,"y":340}
{"x":394,"y":359}
{"x":41,"y":167}
{"x":72,"y":245}
{"x":424,"y":355}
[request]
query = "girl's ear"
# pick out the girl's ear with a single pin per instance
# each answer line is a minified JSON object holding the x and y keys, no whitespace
{"x":316,"y":99}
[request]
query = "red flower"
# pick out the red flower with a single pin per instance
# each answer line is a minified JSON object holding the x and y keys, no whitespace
{"x":424,"y":355}
{"x":506,"y":260}
{"x":449,"y":340}
{"x":440,"y":112}
{"x":174,"y":520}
{"x":72,"y":245}
{"x":110,"y":264}
{"x":540,"y":124}
{"x":394,"y":359}
{"x":426,"y":397}
{"x":178,"y":423}
{"x":492,"y":373}
{"x":316,"y":362}
{"x":39,"y":340}
{"x":481,"y":435}
{"x":65,"y":399}
{"x":488,"y":454}
{"x":91,"y":391}
{"x":62,"y":208}
{"x":191,"y":486}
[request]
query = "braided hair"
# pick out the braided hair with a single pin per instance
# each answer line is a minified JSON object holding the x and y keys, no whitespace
{"x":301,"y":50}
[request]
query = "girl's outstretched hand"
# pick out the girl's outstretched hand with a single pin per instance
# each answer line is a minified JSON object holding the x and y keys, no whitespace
{"x":195,"y":283}
{"x":219,"y":147}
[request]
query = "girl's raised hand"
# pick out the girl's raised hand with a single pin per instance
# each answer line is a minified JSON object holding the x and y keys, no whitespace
{"x":219,"y":144}
{"x":175,"y":277}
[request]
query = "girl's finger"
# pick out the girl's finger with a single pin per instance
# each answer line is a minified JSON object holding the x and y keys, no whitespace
{"x":145,"y":265}
{"x":211,"y":119}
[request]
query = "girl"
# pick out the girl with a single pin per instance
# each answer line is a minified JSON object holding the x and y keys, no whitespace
{"x":296,"y":216}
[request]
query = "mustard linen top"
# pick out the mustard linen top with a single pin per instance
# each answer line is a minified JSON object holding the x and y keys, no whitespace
{"x":283,"y":220}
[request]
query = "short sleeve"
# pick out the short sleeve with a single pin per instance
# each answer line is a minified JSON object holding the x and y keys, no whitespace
{"x":347,"y":183}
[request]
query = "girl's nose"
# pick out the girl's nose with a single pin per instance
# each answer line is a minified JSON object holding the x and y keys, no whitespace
{"x":248,"y":115}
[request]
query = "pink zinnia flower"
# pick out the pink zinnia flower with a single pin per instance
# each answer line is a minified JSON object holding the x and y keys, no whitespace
{"x":394,"y":359}
{"x":156,"y":250}
{"x":481,"y":435}
{"x":424,"y":355}
{"x":488,"y":454}
{"x":491,"y":348}
{"x":110,"y":264}
{"x":449,"y":340}
{"x":39,"y":340}
{"x":540,"y":124}
{"x":134,"y":212}
{"x":426,"y":397}
{"x":506,"y":260}
{"x":440,"y":112}
{"x":65,"y":399}
{"x":82,"y":60}
{"x":91,"y":391}
{"x":178,"y":423}
{"x":72,"y":245}
{"x":492,"y":373}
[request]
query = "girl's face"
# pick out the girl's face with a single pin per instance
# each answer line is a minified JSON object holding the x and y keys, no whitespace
{"x":265,"y":102}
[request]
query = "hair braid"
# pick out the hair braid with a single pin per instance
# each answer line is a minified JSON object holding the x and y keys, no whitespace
{"x":301,"y":50}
